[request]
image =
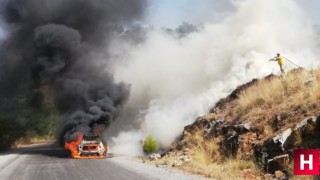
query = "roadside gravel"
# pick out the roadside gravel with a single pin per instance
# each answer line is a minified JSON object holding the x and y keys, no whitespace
{"x":151,"y":171}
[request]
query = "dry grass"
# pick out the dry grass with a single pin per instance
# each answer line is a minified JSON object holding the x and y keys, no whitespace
{"x":229,"y":169}
{"x":205,"y":152}
{"x":289,"y":97}
{"x":207,"y":161}
{"x":287,"y":93}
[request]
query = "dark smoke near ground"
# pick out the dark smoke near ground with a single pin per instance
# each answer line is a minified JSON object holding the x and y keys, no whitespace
{"x":50,"y":52}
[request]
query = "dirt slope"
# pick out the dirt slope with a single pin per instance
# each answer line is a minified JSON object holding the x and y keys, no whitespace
{"x":259,"y":124}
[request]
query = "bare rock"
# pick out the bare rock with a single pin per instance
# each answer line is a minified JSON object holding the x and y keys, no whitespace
{"x":285,"y":140}
{"x":185,"y":158}
{"x":269,"y":155}
{"x":244,"y":128}
{"x":309,"y":120}
{"x":278,"y":163}
{"x":154,"y":157}
{"x":308,"y":132}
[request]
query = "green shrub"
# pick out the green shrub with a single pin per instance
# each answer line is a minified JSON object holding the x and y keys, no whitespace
{"x":150,"y":145}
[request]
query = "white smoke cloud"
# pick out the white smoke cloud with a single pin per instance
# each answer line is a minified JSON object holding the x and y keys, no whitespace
{"x":184,"y":78}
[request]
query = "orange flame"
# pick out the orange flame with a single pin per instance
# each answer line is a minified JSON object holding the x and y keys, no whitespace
{"x":73,"y":147}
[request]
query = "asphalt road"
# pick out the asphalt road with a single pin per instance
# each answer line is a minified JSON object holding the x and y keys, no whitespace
{"x":48,"y":162}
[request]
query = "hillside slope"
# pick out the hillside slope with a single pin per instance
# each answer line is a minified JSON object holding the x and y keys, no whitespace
{"x":252,"y":133}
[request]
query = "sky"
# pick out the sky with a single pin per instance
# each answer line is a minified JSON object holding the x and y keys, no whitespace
{"x":168,"y":13}
{"x":312,"y":6}
{"x":171,"y":13}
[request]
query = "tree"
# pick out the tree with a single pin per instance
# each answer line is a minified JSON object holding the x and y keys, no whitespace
{"x":150,"y":145}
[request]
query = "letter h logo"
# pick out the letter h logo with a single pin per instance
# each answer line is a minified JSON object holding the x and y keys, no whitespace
{"x":306,"y":162}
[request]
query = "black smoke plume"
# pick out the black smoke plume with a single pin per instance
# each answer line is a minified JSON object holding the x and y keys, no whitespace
{"x":54,"y":43}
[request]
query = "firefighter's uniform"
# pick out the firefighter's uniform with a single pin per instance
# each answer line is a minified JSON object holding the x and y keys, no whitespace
{"x":280,"y":62}
{"x":279,"y":58}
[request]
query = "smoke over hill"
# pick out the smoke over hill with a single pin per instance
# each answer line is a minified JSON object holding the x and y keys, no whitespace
{"x":177,"y":79}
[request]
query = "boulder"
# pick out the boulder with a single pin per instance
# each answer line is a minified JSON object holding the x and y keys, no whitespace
{"x":203,"y":123}
{"x":312,"y":120}
{"x":268,"y":154}
{"x":285,"y":140}
{"x":272,"y":154}
{"x":215,"y":129}
{"x":185,"y":157}
{"x":154,"y":156}
{"x":308,"y":132}
{"x":244,"y":128}
{"x":278,"y":163}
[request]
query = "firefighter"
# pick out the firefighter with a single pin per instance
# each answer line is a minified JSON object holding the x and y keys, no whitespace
{"x":280,"y":61}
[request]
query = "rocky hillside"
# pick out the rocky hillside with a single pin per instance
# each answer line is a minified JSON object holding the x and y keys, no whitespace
{"x":252,"y":133}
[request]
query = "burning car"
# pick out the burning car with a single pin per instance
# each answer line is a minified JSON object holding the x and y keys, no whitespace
{"x":87,"y":146}
{"x":91,"y":145}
